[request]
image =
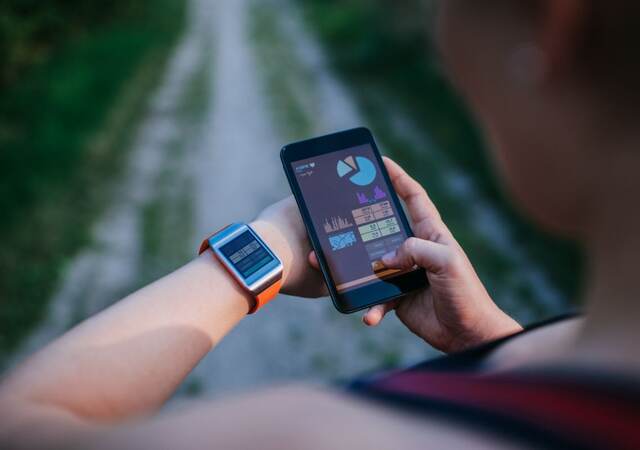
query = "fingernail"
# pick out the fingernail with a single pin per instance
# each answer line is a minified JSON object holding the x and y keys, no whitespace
{"x":387,"y":258}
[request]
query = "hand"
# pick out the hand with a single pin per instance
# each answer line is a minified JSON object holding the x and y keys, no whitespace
{"x":281,"y":227}
{"x":455,"y":311}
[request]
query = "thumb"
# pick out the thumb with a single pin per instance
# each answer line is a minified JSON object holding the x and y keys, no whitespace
{"x":376,"y":313}
{"x":432,"y":256}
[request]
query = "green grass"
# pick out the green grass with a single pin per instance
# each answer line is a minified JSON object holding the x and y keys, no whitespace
{"x":283,"y":83}
{"x":166,"y":227}
{"x":64,"y":128}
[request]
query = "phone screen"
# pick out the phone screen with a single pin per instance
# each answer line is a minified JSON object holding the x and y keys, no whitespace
{"x":353,"y":214}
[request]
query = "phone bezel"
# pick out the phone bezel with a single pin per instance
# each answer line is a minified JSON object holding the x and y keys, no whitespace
{"x":368,"y":295}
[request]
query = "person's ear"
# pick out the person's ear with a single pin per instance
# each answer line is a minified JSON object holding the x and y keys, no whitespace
{"x":552,"y":52}
{"x":561,"y":29}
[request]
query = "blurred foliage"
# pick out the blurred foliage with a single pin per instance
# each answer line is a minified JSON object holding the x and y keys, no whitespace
{"x":386,"y":46}
{"x":66,"y":67}
{"x":30,"y":30}
{"x":386,"y":42}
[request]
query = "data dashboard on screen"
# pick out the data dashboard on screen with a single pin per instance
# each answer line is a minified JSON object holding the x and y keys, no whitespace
{"x":352,"y":213}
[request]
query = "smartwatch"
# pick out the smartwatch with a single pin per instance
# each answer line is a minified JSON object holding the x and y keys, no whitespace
{"x":248,"y":260}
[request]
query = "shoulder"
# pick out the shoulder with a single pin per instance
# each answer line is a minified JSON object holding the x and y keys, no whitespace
{"x":543,"y":343}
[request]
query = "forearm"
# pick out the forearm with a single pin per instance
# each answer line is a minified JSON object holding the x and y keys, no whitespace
{"x":130,"y":358}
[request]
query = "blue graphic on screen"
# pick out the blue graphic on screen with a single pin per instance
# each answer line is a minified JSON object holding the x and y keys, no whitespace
{"x":361,"y":170}
{"x":344,"y":240}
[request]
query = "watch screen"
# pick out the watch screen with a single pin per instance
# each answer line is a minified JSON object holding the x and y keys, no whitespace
{"x":246,"y":254}
{"x":352,"y":214}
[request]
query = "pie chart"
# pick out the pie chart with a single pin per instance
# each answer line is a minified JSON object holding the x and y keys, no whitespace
{"x":360,"y":170}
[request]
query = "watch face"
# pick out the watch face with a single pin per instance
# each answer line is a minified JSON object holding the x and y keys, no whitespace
{"x":246,"y":254}
{"x":247,"y":257}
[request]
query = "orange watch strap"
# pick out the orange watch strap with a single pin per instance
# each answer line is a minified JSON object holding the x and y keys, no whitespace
{"x":266,"y":296}
{"x":205,"y":245}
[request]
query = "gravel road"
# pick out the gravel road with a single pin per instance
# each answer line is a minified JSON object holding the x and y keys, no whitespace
{"x":224,"y":162}
{"x":206,"y":153}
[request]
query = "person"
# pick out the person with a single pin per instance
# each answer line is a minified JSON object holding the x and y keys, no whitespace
{"x":553,"y":84}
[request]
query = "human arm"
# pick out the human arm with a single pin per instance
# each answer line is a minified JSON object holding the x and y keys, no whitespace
{"x":124,"y":363}
{"x":127,"y":360}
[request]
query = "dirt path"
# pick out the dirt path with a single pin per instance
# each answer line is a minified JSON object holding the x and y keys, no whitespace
{"x":193,"y":170}
{"x":292,"y":339}
{"x":245,"y":79}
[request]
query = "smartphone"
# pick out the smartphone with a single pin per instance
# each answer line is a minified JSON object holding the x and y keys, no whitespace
{"x":352,"y":215}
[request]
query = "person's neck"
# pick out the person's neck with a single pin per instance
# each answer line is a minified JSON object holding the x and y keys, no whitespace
{"x":610,"y":336}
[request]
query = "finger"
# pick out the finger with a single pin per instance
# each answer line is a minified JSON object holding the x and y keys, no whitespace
{"x":432,"y":256}
{"x":373,"y":316}
{"x":376,"y":313}
{"x":313,"y":260}
{"x":412,"y":193}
